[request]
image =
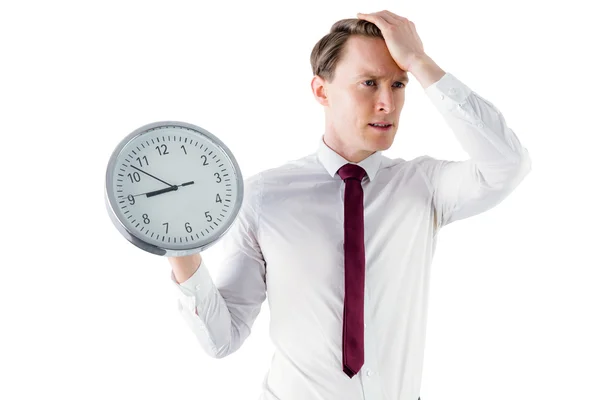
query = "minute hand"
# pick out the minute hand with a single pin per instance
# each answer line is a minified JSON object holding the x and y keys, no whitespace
{"x":150,"y":175}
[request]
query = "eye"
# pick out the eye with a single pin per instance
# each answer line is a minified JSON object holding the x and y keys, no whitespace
{"x":371,"y":80}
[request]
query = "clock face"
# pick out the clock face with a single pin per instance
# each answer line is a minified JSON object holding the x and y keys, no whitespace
{"x":174,"y":188}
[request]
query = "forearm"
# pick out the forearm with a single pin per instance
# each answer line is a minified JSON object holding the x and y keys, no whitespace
{"x":220,"y":318}
{"x":426,"y":71}
{"x":184,"y":267}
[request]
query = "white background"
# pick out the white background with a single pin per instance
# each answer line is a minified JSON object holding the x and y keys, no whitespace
{"x":86,"y":315}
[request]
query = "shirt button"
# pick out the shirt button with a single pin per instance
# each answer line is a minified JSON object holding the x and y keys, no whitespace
{"x":369,"y":372}
{"x":365,"y":325}
{"x":442,"y":96}
{"x":452,"y":91}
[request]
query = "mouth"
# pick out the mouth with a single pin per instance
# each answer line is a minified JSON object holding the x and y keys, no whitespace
{"x":381,"y":127}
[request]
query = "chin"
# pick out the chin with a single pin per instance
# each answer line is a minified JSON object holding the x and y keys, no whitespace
{"x":383,"y":146}
{"x":380,"y":142}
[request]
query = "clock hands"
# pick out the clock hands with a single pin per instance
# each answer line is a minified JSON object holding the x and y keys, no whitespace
{"x":161,"y":191}
{"x":165,"y":190}
{"x":169,"y":189}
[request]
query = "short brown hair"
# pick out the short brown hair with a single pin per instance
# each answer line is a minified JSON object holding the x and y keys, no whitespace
{"x":330,"y":48}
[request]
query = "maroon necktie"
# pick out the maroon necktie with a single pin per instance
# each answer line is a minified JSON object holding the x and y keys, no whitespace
{"x":354,"y":269}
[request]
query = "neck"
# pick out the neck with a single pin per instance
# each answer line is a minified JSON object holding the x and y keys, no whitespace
{"x":350,"y":154}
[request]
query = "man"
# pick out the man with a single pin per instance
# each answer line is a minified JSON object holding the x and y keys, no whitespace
{"x":342,"y":240}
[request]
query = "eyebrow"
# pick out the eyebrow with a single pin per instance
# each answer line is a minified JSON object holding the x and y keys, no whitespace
{"x":402,"y":78}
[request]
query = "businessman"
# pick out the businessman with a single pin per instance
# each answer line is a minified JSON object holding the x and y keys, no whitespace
{"x":342,"y":240}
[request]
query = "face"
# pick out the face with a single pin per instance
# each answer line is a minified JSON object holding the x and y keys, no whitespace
{"x":368,"y":87}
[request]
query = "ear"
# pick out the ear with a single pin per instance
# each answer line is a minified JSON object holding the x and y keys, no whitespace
{"x":319,"y":90}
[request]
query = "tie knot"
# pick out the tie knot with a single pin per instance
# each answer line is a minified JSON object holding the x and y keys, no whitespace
{"x":352,"y":171}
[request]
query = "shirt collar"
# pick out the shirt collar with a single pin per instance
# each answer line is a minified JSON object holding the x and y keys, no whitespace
{"x":332,"y":161}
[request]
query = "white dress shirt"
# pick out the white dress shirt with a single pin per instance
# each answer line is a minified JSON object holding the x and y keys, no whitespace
{"x":287,"y":241}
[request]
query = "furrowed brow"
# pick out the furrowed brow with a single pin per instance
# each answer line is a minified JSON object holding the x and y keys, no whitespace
{"x":401,"y":78}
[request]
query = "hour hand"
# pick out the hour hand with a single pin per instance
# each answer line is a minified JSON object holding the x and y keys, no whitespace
{"x":161,"y":191}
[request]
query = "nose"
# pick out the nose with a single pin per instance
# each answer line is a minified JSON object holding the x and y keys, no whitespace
{"x":385,"y":100}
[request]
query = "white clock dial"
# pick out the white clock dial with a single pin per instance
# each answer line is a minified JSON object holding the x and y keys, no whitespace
{"x":175,"y":188}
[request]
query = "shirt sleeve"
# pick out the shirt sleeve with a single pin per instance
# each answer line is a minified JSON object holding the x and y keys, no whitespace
{"x":221,"y":312}
{"x":497,"y":162}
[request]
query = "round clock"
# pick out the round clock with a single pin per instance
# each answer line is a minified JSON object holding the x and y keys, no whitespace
{"x":173,"y":188}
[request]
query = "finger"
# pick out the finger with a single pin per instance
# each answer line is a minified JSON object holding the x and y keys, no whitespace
{"x":375,"y":18}
{"x":390,"y":18}
{"x":393,"y":17}
{"x":384,"y":17}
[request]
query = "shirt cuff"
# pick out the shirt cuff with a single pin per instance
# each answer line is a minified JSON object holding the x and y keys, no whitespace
{"x":447,"y":93}
{"x":197,"y":285}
